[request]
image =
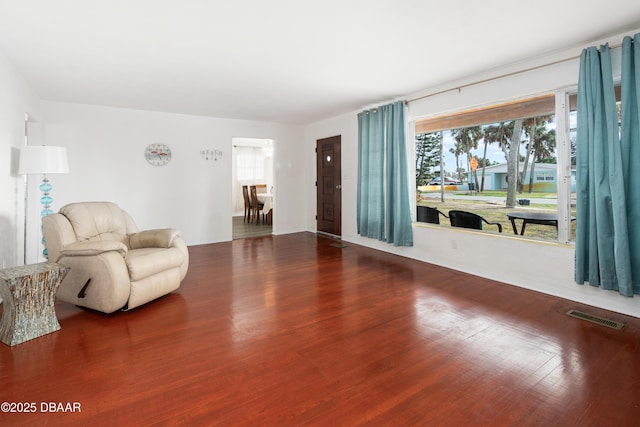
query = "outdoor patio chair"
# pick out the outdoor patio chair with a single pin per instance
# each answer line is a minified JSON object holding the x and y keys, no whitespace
{"x":469,"y":220}
{"x":430,"y":215}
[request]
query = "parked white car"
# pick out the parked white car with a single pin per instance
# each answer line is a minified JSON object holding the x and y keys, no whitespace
{"x":447,"y":181}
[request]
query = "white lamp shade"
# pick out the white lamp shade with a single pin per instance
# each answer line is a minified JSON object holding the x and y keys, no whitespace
{"x":41,"y":159}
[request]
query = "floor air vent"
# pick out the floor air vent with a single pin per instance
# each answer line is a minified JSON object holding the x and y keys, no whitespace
{"x":338,"y":245}
{"x":595,"y":319}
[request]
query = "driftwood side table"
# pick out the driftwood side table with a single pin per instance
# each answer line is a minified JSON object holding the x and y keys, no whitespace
{"x":28,"y":295}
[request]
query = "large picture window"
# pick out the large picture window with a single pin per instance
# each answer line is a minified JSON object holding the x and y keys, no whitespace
{"x":501,"y":164}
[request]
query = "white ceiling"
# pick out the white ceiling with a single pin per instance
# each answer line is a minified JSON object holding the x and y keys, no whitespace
{"x":289,"y":61}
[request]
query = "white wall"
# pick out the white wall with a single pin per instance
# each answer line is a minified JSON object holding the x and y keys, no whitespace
{"x":105,"y":148}
{"x":16,"y":99}
{"x":544,"y":267}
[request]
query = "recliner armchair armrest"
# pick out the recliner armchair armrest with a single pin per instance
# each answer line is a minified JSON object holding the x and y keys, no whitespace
{"x":159,"y":238}
{"x":94,"y":247}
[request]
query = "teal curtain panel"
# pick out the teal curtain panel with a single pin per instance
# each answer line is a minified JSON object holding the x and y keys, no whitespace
{"x":383,"y":205}
{"x":607,"y":171}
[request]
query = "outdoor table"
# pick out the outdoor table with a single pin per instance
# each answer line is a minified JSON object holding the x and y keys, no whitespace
{"x":531,"y":217}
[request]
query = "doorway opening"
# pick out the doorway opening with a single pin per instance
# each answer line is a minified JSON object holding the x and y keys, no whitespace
{"x":252,"y":165}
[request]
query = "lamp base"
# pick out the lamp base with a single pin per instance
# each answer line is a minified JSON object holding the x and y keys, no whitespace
{"x":45,"y":201}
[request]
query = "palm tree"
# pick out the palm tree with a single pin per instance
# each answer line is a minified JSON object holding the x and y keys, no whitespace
{"x":508,"y":135}
{"x":467,"y":139}
{"x":512,"y":162}
{"x":483,"y":163}
{"x":457,"y":151}
{"x":536,"y":132}
{"x":544,"y":148}
{"x":500,"y":133}
{"x":530,"y":127}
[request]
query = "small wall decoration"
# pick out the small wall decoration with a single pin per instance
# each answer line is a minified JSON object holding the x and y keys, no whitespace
{"x":157,"y":154}
{"x":210,"y":154}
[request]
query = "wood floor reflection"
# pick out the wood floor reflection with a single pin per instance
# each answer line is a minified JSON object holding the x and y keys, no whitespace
{"x":293,"y":331}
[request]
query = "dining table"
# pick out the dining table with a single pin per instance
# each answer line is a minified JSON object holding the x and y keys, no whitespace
{"x":267,"y":205}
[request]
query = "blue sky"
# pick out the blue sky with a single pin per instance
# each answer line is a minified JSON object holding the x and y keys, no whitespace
{"x":493,"y":152}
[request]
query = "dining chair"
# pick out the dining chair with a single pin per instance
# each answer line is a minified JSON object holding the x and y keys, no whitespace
{"x":430,"y":215}
{"x":256,"y":206}
{"x":247,"y":203}
{"x":469,"y":220}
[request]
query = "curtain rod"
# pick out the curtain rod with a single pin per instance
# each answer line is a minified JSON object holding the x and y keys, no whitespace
{"x":502,"y":76}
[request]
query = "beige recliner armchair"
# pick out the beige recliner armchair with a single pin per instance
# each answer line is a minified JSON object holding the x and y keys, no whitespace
{"x":113,"y":265}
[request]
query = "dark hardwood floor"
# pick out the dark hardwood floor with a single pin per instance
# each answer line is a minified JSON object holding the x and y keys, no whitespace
{"x":292,"y":331}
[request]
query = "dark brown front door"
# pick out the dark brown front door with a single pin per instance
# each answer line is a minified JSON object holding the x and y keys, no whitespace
{"x":329,"y":186}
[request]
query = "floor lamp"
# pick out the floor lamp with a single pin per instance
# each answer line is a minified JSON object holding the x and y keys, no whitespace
{"x":41,"y":160}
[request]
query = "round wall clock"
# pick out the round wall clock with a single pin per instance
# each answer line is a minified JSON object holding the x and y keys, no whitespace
{"x":157,"y":154}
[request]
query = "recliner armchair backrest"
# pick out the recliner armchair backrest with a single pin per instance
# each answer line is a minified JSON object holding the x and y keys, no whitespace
{"x":99,"y":221}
